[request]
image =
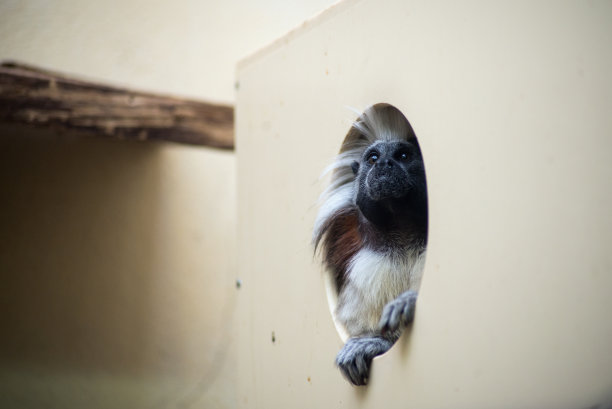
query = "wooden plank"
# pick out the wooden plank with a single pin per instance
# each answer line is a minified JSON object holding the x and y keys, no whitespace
{"x":42,"y":98}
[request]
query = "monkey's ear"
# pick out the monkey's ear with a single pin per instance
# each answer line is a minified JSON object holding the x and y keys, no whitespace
{"x":355,"y":167}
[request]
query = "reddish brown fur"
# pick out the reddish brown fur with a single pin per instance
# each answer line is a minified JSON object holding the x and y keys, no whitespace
{"x":341,"y":242}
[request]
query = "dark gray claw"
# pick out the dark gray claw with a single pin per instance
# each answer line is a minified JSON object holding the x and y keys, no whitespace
{"x":398,"y":313}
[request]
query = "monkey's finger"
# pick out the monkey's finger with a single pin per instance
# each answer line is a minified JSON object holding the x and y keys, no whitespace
{"x":362,"y":368}
{"x":408,"y":313}
{"x":347,"y":361}
{"x":353,"y":373}
{"x":390,"y":318}
{"x":410,"y":307}
{"x":361,"y":365}
{"x":357,"y":370}
{"x":383,"y":324}
{"x":395,"y":317}
{"x":348,"y":374}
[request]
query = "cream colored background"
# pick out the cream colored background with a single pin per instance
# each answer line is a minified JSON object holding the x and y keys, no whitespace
{"x":511,"y":102}
{"x":117,"y":274}
{"x":117,"y":259}
{"x":183,"y":47}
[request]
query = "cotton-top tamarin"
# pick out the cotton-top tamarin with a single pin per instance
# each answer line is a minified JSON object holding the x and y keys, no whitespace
{"x":372,"y":232}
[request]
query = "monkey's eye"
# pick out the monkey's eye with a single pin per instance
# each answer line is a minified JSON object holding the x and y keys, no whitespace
{"x":402,"y":156}
{"x":372,"y":158}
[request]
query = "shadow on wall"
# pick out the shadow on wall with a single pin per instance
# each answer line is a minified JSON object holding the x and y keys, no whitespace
{"x":108,"y":266}
{"x":75,"y":248}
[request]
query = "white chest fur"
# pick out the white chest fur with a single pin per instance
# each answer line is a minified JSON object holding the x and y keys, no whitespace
{"x":373,"y":280}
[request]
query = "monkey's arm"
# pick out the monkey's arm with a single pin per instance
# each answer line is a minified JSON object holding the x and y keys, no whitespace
{"x":355,"y":358}
{"x":398,"y":313}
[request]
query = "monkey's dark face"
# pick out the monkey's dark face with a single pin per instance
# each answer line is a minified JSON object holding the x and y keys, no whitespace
{"x":390,"y":178}
{"x":389,"y":170}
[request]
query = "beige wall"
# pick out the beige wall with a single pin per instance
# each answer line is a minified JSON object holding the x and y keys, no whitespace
{"x":117,"y":259}
{"x":184,"y":47}
{"x":511,"y":102}
{"x":118,"y":273}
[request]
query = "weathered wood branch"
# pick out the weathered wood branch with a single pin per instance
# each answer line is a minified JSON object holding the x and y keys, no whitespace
{"x":41,"y":98}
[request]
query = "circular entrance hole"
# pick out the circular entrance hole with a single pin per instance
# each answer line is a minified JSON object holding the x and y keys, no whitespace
{"x":372,"y":223}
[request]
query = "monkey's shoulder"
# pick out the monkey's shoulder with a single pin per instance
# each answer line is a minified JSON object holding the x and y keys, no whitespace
{"x":341,"y":243}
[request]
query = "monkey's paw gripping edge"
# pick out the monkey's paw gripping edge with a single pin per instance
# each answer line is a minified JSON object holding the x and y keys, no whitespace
{"x":355,"y":358}
{"x":398,"y":313}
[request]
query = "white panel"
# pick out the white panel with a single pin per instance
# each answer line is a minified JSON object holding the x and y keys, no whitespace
{"x":512,"y":104}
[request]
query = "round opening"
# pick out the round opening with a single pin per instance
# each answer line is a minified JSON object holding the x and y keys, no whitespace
{"x":372,"y":223}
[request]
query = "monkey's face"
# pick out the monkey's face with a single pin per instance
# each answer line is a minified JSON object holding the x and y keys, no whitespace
{"x":389,"y":170}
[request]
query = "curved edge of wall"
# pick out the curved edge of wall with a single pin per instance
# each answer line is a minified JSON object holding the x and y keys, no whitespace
{"x":510,"y":104}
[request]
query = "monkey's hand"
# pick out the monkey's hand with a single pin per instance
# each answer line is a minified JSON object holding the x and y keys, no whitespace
{"x":398,"y":313}
{"x":355,"y":358}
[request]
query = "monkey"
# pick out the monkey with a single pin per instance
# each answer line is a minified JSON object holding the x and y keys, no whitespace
{"x":371,"y":230}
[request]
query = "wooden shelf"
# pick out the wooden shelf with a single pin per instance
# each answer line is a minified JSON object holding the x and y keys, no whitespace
{"x":36,"y":97}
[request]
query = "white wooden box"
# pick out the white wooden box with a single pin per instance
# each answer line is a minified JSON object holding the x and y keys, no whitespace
{"x":512,"y":104}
